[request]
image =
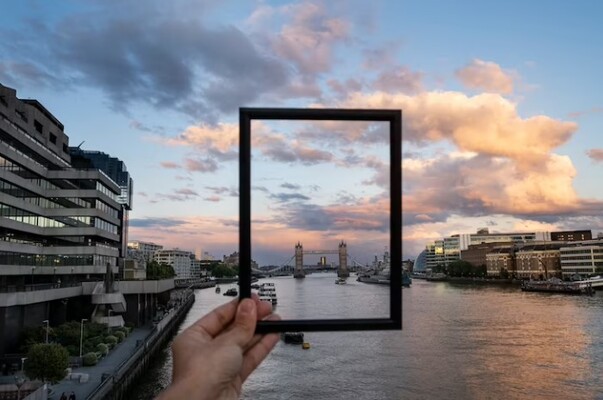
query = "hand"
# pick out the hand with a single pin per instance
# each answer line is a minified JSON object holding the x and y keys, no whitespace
{"x":214,"y":356}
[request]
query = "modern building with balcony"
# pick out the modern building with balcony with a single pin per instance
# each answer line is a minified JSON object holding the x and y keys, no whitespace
{"x":62,"y":229}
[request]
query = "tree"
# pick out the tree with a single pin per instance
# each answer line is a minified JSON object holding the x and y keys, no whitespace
{"x":157,"y":271}
{"x":46,"y":362}
{"x":460,"y":268}
{"x":222,"y":270}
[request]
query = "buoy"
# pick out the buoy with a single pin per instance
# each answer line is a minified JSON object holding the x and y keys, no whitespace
{"x":305,"y":345}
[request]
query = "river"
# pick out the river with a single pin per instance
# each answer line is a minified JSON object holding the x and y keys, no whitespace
{"x":458,"y":341}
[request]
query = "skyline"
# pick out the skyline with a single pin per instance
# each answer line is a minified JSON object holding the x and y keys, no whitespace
{"x":500,"y":112}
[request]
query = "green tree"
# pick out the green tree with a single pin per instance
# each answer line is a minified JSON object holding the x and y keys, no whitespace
{"x":223,"y":271}
{"x":460,"y":268}
{"x":46,"y":362}
{"x":157,"y":271}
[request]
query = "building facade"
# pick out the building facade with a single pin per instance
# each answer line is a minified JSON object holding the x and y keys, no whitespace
{"x":538,"y":261}
{"x":62,"y":231}
{"x":582,"y":259}
{"x":476,"y":253}
{"x":182,"y":261}
{"x":500,"y":262}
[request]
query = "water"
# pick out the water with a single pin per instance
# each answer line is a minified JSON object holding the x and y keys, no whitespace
{"x":458,"y":342}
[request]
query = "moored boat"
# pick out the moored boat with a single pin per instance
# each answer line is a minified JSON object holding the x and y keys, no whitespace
{"x":231,"y":292}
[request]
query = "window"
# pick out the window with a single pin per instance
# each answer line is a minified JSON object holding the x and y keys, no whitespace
{"x":53,"y":138}
{"x":65,"y":148}
{"x":38,"y":126}
{"x":22,"y":114}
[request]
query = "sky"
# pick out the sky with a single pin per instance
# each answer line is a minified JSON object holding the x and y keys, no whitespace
{"x":502,"y":107}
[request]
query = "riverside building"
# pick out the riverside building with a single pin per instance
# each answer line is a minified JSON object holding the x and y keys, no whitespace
{"x":582,"y":259}
{"x":62,"y":230}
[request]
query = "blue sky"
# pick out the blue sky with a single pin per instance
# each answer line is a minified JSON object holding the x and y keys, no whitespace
{"x":502,"y":107}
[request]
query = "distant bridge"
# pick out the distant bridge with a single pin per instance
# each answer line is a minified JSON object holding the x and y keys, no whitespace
{"x":299,"y":270}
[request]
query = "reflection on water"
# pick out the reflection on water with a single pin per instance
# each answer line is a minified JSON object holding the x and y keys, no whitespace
{"x":458,"y":341}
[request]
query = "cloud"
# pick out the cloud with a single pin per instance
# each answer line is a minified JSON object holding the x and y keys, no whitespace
{"x":214,"y":198}
{"x":166,"y":59}
{"x":343,"y":88}
{"x":481,"y":186}
{"x":170,"y":165}
{"x":487,"y":124}
{"x":183,"y":194}
{"x":150,"y":222}
{"x":399,"y":80}
{"x":595,"y":154}
{"x":578,"y":114}
{"x":290,"y":186}
{"x":200,"y":165}
{"x":308,"y":40}
{"x":220,"y":190}
{"x":285,"y":197}
{"x":486,"y":75}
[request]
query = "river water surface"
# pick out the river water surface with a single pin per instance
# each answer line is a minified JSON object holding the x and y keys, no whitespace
{"x":458,"y":341}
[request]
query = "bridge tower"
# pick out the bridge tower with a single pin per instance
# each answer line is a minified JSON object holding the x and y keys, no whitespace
{"x":342,"y":271}
{"x":299,"y":261}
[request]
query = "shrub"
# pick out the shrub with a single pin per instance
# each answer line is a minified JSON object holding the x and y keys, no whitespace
{"x":111,"y":340}
{"x":73,"y":350}
{"x":90,"y":359}
{"x":95,"y":341}
{"x":120,"y":336}
{"x":102,"y":348}
{"x":46,"y":362}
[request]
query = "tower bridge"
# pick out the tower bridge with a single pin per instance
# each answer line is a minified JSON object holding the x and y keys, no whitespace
{"x":342,"y":270}
{"x":299,"y":270}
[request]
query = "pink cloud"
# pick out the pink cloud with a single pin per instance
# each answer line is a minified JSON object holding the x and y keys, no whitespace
{"x":486,"y":75}
{"x":595,"y":154}
{"x":308,"y":40}
{"x":399,"y":79}
{"x":169,"y":165}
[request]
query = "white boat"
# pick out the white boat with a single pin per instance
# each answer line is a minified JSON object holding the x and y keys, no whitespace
{"x":340,"y":281}
{"x":267,"y":292}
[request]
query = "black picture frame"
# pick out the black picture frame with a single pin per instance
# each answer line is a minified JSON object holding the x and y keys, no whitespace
{"x":394,"y":117}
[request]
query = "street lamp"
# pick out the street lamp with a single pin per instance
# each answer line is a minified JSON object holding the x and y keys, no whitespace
{"x":47,"y":326}
{"x":109,"y":320}
{"x":19,"y":381}
{"x":82,"y":335}
{"x":23,"y":363}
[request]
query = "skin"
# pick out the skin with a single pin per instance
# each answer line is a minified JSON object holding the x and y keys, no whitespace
{"x":214,"y":356}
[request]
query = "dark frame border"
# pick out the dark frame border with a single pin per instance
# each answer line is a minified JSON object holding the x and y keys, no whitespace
{"x":394,"y":117}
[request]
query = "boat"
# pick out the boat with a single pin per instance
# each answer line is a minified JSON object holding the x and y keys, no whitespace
{"x":255,"y":286}
{"x":293,"y":337}
{"x":553,"y":285}
{"x":340,"y":281}
{"x":381,"y":271}
{"x":438,"y":276}
{"x":267,"y":292}
{"x":218,"y":289}
{"x":231,"y":292}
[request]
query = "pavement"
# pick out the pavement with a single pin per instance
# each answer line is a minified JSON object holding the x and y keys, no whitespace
{"x":108,"y":364}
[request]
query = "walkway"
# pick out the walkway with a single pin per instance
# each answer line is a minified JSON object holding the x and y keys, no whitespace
{"x":108,"y":365}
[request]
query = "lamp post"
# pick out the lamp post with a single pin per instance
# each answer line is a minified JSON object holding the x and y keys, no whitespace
{"x":23,"y":363}
{"x":19,"y":381}
{"x":109,"y":312}
{"x":82,"y":335}
{"x":47,"y":326}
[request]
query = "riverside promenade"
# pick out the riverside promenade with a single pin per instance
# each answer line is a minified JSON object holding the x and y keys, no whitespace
{"x":108,"y":365}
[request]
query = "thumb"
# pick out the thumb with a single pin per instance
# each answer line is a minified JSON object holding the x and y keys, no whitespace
{"x":243,"y":327}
